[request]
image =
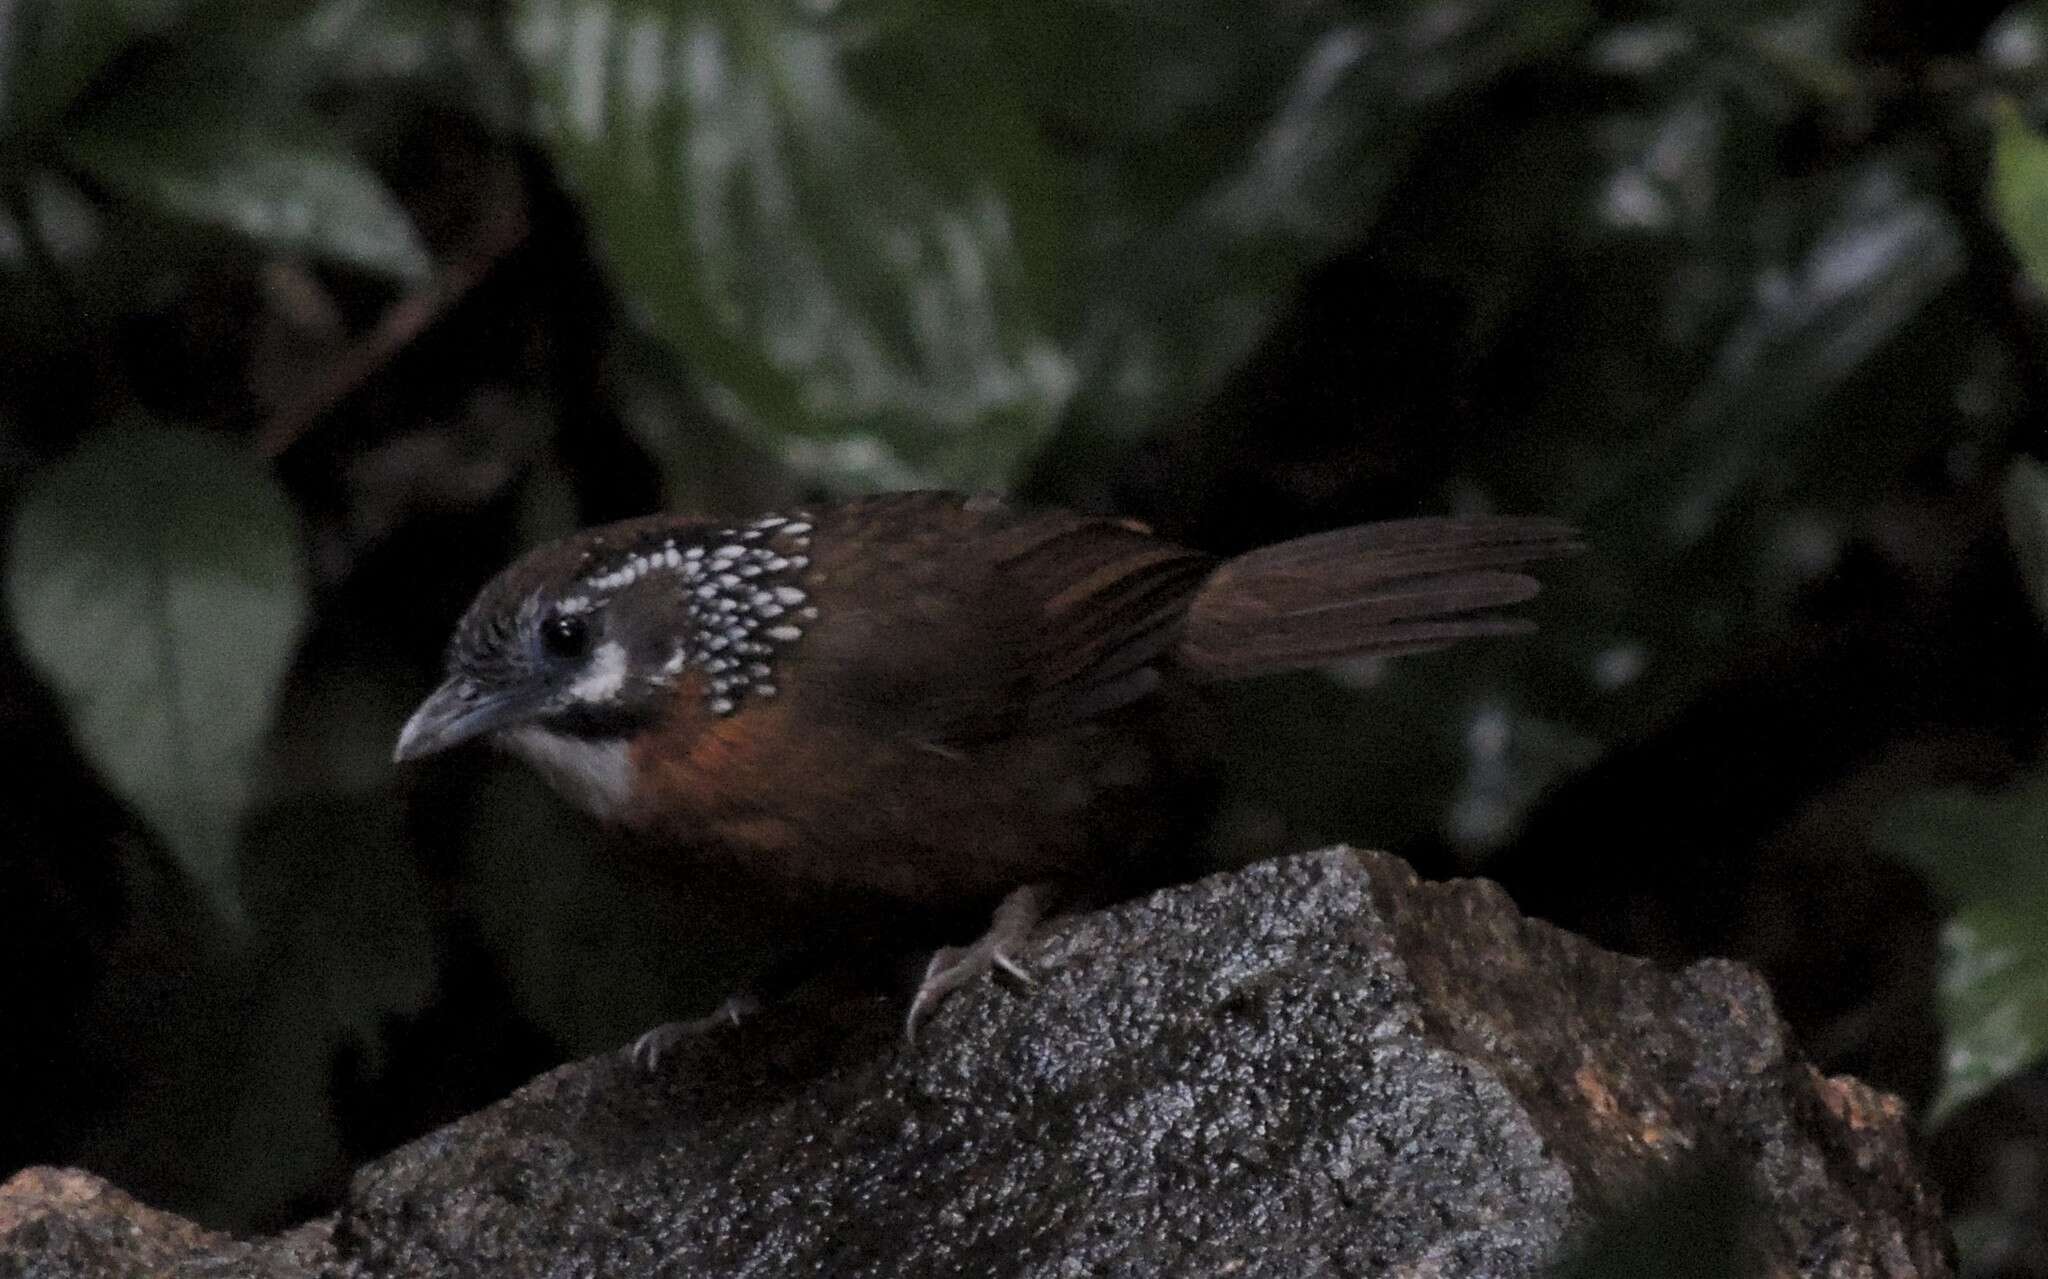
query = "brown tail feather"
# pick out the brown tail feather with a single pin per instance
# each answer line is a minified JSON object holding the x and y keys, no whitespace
{"x":1375,"y":590}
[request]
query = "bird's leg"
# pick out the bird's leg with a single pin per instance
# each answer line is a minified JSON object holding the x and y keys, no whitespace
{"x":647,"y":1051}
{"x":952,"y":967}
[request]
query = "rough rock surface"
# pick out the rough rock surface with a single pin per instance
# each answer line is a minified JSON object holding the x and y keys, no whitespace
{"x":59,"y":1222}
{"x":1316,"y":1066}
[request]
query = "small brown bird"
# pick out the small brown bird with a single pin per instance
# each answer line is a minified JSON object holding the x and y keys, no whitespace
{"x":922,"y":704}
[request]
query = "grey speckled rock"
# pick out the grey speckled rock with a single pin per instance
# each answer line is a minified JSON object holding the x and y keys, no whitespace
{"x":1316,"y":1066}
{"x":59,"y":1223}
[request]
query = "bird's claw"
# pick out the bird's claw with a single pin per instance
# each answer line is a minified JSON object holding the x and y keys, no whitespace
{"x":647,"y":1051}
{"x":1013,"y":970}
{"x":952,"y":967}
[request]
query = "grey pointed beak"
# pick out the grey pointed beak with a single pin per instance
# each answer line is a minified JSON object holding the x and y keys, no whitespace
{"x":451,"y":715}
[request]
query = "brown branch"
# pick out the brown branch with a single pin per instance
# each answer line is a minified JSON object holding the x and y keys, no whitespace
{"x":501,"y":228}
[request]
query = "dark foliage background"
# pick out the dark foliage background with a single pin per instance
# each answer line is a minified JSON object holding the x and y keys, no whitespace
{"x":314,"y":312}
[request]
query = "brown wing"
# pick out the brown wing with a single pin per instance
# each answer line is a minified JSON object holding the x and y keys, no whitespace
{"x":956,"y":620}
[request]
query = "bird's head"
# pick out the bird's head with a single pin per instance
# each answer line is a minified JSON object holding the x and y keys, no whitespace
{"x":567,"y":654}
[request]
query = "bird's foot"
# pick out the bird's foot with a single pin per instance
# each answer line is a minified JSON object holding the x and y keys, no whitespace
{"x":647,"y":1051}
{"x":952,"y":967}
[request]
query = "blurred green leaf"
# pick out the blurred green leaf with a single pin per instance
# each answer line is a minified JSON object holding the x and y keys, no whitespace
{"x":2026,"y":526}
{"x":1229,"y":158}
{"x":1654,"y":311}
{"x":451,"y":51}
{"x":289,"y":184}
{"x":210,"y":120}
{"x":855,"y":223}
{"x":52,"y":50}
{"x":1986,"y":853}
{"x":66,"y":231}
{"x":2019,"y":191}
{"x":155,"y":579}
{"x":1759,"y":417}
{"x":1718,"y":459}
{"x":833,"y":277}
{"x":1744,"y":488}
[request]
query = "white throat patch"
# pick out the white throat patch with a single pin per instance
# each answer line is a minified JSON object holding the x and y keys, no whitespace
{"x":593,"y":774}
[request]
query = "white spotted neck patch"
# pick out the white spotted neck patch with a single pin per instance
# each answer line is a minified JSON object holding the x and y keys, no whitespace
{"x":744,"y":598}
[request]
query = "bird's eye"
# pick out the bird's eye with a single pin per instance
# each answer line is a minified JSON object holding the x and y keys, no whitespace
{"x":565,"y":635}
